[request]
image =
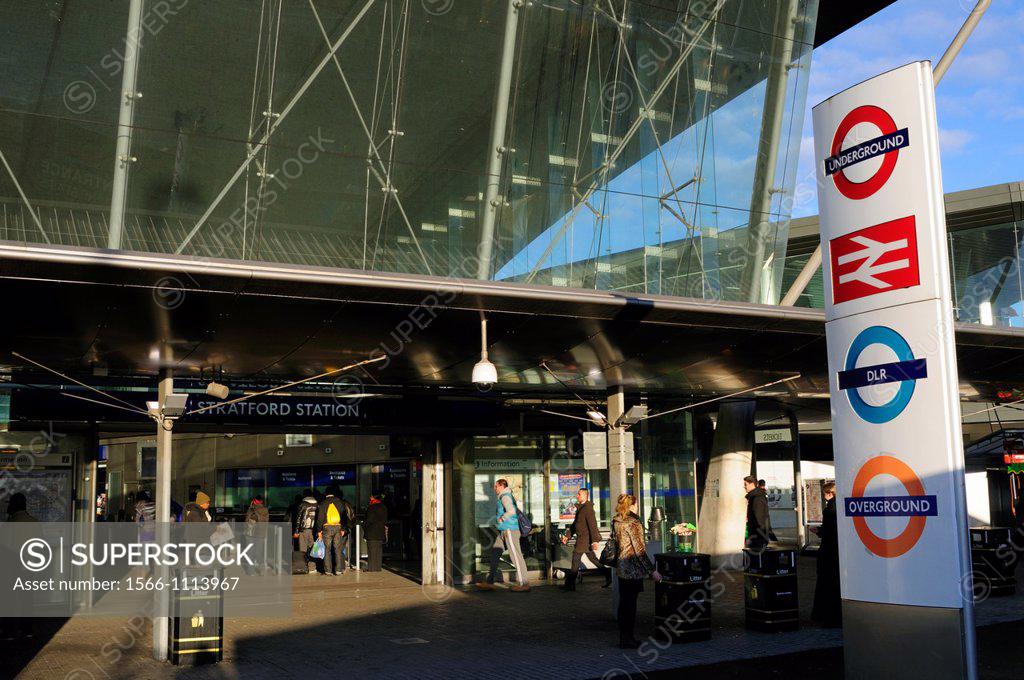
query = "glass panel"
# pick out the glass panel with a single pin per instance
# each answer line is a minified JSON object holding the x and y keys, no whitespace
{"x":478,"y":463}
{"x":286,"y":484}
{"x":59,"y":100}
{"x":667,"y":464}
{"x":358,"y":135}
{"x":985,"y":266}
{"x":341,"y":476}
{"x":235,"y":488}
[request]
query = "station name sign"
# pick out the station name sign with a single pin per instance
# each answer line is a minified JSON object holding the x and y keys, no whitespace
{"x":279,"y":408}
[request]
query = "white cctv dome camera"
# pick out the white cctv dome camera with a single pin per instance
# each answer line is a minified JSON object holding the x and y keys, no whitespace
{"x":484,"y":375}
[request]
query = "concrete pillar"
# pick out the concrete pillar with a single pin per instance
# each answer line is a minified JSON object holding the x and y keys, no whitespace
{"x":432,"y":502}
{"x":617,"y":468}
{"x":723,"y":512}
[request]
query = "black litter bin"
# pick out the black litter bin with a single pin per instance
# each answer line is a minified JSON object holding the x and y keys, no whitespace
{"x":770,"y":590}
{"x":993,"y":561}
{"x":682,"y":604}
{"x":197,"y":618}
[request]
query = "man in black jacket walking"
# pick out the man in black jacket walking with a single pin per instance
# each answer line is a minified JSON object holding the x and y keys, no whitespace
{"x":758,"y":522}
{"x":584,"y":527}
{"x":332,"y":521}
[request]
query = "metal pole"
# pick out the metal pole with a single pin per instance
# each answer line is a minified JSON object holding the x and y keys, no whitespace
{"x":125,"y":120}
{"x":798,"y":481}
{"x":616,"y":460}
{"x":163,"y":503}
{"x":961,"y":37}
{"x":767,"y":156}
{"x":938,"y":71}
{"x":496,"y":149}
{"x":803,"y":278}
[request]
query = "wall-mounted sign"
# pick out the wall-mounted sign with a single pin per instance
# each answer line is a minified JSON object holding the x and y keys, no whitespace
{"x":595,"y":450}
{"x":773,"y":436}
{"x":26,"y":460}
{"x":507,"y":465}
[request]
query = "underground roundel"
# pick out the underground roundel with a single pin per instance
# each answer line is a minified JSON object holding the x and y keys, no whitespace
{"x":884,"y":144}
{"x":915,"y":504}
{"x":880,"y":374}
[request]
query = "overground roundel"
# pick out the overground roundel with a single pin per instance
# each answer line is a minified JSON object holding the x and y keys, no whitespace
{"x":916,"y":505}
{"x":887,"y":145}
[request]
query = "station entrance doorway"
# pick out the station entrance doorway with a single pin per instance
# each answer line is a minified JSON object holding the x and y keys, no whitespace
{"x":234,"y":468}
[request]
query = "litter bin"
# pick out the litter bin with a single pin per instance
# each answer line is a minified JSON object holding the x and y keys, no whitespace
{"x":682,"y":603}
{"x":993,"y":561}
{"x":197,"y":617}
{"x":770,"y":590}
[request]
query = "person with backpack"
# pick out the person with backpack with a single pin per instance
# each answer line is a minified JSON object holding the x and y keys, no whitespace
{"x":508,"y":521}
{"x":332,"y":521}
{"x":303,"y":523}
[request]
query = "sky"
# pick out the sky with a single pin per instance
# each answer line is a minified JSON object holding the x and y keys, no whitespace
{"x":979,"y":102}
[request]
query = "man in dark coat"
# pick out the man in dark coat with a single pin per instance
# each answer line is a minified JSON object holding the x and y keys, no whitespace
{"x":584,"y":527}
{"x":758,"y":522}
{"x":828,"y":606}
{"x":376,"y":528}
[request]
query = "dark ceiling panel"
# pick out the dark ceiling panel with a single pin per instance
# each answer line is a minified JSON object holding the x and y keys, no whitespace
{"x":836,"y":16}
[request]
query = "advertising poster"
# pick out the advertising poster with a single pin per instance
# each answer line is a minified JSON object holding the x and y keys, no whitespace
{"x":568,"y":485}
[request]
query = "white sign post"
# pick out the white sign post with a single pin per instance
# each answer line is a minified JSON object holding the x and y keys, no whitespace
{"x":901,"y":504}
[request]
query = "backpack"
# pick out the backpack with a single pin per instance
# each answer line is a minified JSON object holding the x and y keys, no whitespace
{"x":525,"y":525}
{"x":307,"y":516}
{"x":333,"y":516}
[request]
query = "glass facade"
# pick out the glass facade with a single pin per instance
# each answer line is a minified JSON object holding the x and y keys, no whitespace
{"x":645,"y":146}
{"x":985,"y":273}
{"x":544,"y":472}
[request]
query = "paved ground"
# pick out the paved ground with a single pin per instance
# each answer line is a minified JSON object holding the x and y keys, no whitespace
{"x":384,"y":625}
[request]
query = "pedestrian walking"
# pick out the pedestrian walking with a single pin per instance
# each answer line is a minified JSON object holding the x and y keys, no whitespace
{"x":332,"y":526}
{"x":507,"y":523}
{"x":376,"y":532}
{"x":588,"y":536}
{"x":632,"y":567}
{"x":303,"y":526}
{"x":828,"y":606}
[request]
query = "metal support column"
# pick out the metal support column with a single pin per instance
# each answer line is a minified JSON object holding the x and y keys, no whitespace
{"x":125,"y":121}
{"x":617,"y":468}
{"x":164,"y":436}
{"x":798,"y":481}
{"x":496,"y":149}
{"x":758,"y":232}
